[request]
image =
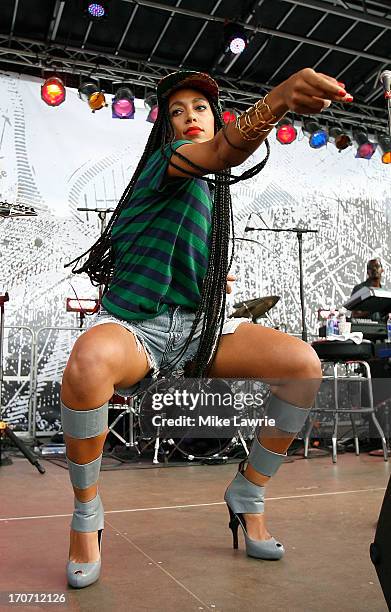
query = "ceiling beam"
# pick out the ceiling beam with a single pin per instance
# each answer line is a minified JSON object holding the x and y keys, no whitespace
{"x":292,"y":53}
{"x":55,"y":21}
{"x":201,"y":31}
{"x":16,"y":4}
{"x":331,"y":9}
{"x":164,"y":30}
{"x":272,"y":32}
{"x":126,"y":30}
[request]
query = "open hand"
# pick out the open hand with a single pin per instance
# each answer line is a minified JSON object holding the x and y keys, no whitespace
{"x":308,"y":92}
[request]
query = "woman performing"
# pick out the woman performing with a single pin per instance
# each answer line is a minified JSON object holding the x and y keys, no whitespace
{"x":164,"y":260}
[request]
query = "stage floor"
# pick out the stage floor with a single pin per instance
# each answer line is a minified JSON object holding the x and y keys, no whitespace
{"x":167,"y":547}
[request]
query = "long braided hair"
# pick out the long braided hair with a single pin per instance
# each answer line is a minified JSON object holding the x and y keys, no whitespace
{"x":100,"y":264}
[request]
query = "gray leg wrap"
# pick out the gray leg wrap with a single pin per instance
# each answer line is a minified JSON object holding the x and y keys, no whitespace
{"x":88,"y":516}
{"x":84,"y":423}
{"x":245,"y":496}
{"x":287,"y":417}
{"x":84,"y":475}
{"x":263,"y":460}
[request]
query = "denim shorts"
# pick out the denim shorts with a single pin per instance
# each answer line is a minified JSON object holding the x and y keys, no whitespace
{"x":163,"y":338}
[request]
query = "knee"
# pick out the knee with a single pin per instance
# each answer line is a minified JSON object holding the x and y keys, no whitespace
{"x":87,"y":365}
{"x":307,"y":363}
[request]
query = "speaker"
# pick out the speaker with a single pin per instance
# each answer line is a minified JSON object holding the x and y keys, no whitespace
{"x":380,"y":549}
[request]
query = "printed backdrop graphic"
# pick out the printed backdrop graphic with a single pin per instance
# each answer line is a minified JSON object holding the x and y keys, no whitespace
{"x":61,"y":159}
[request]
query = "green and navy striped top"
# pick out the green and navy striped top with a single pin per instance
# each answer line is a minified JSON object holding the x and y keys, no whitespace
{"x":161,"y":243}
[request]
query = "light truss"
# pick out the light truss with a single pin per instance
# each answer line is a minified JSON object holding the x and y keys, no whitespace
{"x":375,"y":17}
{"x":29,"y":53}
{"x":325,"y":7}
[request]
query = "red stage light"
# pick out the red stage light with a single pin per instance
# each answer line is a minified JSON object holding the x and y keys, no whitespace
{"x":53,"y":91}
{"x":229,"y":116}
{"x":286,"y":133}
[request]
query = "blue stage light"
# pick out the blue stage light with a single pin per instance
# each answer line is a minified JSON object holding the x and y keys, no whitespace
{"x":318,"y":139}
{"x":318,"y":136}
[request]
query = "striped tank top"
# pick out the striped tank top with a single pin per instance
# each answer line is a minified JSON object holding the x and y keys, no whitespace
{"x":160,"y":243}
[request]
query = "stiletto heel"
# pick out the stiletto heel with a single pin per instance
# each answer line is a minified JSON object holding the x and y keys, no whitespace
{"x":233,"y":525}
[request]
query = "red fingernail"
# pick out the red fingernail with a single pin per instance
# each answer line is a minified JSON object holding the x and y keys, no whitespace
{"x":342,"y":92}
{"x":341,"y":84}
{"x":348,"y":98}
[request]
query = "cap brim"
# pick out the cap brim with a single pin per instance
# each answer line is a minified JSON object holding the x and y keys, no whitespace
{"x":177,"y":80}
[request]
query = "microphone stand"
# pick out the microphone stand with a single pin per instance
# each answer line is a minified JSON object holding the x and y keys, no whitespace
{"x":102,"y":214}
{"x":299,"y":233}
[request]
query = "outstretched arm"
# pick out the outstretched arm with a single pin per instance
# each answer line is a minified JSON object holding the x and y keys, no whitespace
{"x":307,"y":92}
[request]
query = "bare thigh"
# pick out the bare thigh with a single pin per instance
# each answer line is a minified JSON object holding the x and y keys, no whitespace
{"x":254,"y":351}
{"x":103,"y":358}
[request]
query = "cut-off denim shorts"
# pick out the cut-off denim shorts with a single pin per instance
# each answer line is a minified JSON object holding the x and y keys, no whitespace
{"x":163,"y":338}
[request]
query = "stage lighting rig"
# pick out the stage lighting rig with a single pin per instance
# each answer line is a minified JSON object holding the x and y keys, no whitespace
{"x":342,"y":140}
{"x":53,"y":91}
{"x":318,"y":136}
{"x":366,"y":148}
{"x":235,"y":38}
{"x":122,"y":105}
{"x":96,"y":11}
{"x":90,"y":92}
{"x":286,"y":133}
{"x":150,"y":104}
{"x":385,"y":144}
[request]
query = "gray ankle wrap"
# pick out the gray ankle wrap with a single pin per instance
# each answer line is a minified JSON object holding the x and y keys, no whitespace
{"x":84,"y":475}
{"x":287,"y":417}
{"x":245,"y":496}
{"x":264,"y":460}
{"x":84,"y":423}
{"x":88,"y":516}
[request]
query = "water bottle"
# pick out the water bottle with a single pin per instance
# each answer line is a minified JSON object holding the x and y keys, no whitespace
{"x":336,"y":323}
{"x":389,"y":328}
{"x":341,"y":321}
{"x":330,"y":324}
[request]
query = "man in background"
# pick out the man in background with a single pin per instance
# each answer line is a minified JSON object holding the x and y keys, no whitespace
{"x":374,"y":274}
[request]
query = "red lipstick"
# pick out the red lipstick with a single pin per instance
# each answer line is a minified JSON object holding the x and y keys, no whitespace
{"x":193,"y":130}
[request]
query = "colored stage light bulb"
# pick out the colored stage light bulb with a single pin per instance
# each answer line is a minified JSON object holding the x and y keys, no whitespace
{"x":229,"y":116}
{"x":96,"y":10}
{"x":286,"y":133}
{"x":53,"y":91}
{"x":318,"y":139}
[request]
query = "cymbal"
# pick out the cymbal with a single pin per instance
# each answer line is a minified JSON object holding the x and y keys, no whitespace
{"x":255,"y":308}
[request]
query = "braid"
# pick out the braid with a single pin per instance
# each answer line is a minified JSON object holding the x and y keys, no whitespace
{"x":100,"y":263}
{"x":213,"y":295}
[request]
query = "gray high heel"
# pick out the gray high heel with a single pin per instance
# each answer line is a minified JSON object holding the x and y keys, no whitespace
{"x":245,"y":497}
{"x":87,"y":517}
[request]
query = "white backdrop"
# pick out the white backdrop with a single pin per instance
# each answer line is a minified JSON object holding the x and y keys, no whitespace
{"x":59,"y":159}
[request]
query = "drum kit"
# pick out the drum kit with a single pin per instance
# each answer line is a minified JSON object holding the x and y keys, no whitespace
{"x":134,"y":414}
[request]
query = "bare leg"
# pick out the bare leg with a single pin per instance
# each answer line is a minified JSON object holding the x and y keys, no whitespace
{"x":104,"y":357}
{"x":293,"y":371}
